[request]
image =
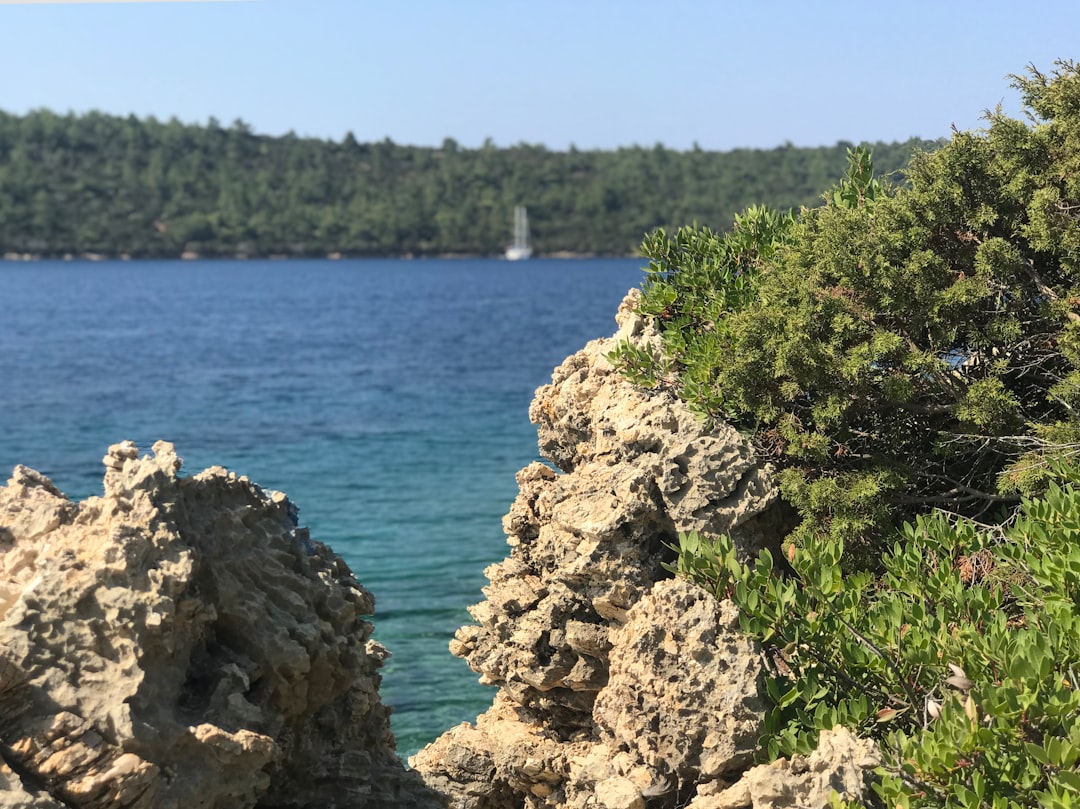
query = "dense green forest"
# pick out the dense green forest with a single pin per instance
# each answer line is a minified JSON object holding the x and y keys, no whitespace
{"x":96,"y":183}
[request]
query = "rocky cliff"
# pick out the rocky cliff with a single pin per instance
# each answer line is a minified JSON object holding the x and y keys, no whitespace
{"x":179,"y":642}
{"x":618,"y":686}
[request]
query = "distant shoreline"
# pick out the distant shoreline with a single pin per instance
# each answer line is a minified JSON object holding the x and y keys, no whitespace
{"x":22,"y":258}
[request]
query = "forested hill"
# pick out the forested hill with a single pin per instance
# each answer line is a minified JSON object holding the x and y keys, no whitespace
{"x":102,"y":184}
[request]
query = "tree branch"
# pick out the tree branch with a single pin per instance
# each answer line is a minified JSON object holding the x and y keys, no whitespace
{"x":1045,"y":289}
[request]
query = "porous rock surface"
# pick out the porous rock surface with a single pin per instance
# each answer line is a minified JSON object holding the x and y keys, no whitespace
{"x":618,"y":686}
{"x":838,"y":765}
{"x":179,"y":642}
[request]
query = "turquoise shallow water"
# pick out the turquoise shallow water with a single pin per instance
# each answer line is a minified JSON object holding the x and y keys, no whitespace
{"x":388,"y":398}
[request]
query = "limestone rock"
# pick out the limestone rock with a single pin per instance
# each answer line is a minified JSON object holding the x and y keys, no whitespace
{"x":684,"y":689}
{"x":839,"y":764}
{"x":566,"y":630}
{"x":181,"y":642}
{"x":501,"y":761}
{"x":15,"y":794}
{"x":706,"y":480}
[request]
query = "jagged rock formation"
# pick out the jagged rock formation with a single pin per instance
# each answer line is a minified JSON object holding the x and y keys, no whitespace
{"x":618,"y":686}
{"x":180,"y":642}
{"x":587,"y":544}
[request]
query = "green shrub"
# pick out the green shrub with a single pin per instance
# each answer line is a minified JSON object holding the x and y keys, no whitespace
{"x":898,"y":348}
{"x":962,"y":658}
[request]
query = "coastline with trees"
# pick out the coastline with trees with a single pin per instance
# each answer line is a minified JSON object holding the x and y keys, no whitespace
{"x":102,"y":186}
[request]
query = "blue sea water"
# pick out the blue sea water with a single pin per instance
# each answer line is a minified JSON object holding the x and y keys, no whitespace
{"x":388,"y":398}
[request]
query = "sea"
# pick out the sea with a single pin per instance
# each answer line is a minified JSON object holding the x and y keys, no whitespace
{"x":388,"y":398}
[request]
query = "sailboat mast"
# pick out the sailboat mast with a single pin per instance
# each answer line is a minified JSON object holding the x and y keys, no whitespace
{"x":520,"y":225}
{"x":520,"y":248}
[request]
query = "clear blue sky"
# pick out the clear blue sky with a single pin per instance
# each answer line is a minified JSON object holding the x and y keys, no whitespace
{"x":595,"y":73}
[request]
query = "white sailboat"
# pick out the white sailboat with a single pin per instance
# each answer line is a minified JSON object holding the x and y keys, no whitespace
{"x":520,"y":249}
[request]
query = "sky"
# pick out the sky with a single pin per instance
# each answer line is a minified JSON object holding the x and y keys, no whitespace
{"x":598,"y":74}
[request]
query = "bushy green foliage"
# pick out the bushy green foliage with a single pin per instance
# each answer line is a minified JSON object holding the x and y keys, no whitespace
{"x":695,"y":281}
{"x":897,"y":348}
{"x":962,"y":657}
